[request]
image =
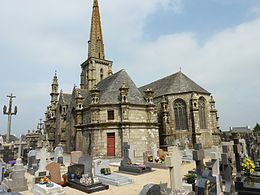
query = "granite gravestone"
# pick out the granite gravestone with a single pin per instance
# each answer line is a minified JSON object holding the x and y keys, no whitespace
{"x":16,"y":182}
{"x":74,"y":157}
{"x":174,"y":163}
{"x":127,"y":166}
{"x":55,"y":173}
{"x":86,"y":160}
{"x":80,"y":181}
{"x":43,"y":154}
{"x":103,"y":172}
{"x":151,"y":189}
{"x":8,"y":154}
{"x":58,"y":155}
{"x":32,"y":162}
{"x":227,"y":172}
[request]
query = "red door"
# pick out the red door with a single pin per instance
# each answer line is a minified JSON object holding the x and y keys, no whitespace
{"x":111,"y":144}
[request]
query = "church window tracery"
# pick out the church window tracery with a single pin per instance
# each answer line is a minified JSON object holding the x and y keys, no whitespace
{"x":180,"y":112}
{"x":202,"y":113}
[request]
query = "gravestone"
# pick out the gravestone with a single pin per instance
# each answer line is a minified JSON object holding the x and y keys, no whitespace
{"x":187,"y":153}
{"x":16,"y":182}
{"x":132,"y":153}
{"x":32,"y":162}
{"x":151,"y":189}
{"x":103,"y":172}
{"x":8,"y":154}
{"x":127,"y":166}
{"x":58,"y":155}
{"x":1,"y":170}
{"x":86,"y":160}
{"x":43,"y":154}
{"x":215,"y":168}
{"x":80,"y":181}
{"x":74,"y":157}
{"x":173,"y":162}
{"x":227,"y":172}
{"x":55,"y":173}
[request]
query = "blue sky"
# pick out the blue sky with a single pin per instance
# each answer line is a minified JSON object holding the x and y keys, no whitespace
{"x":216,"y":42}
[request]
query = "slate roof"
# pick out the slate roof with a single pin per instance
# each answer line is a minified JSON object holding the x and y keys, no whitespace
{"x":66,"y":98}
{"x":109,"y":89}
{"x":174,"y":84}
{"x":240,"y":129}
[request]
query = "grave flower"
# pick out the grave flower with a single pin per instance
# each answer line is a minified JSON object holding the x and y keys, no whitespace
{"x":248,"y":166}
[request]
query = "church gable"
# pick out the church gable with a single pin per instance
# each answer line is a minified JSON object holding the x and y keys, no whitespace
{"x":174,"y":84}
{"x":109,"y":89}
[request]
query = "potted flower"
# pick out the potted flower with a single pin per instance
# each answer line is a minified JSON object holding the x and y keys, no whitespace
{"x":248,"y":167}
{"x":190,"y":177}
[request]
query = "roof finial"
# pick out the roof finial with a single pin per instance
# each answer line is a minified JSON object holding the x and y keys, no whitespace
{"x":180,"y":68}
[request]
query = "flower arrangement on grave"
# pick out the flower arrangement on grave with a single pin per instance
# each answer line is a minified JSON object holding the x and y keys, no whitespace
{"x":150,"y":158}
{"x":190,"y":177}
{"x":157,"y":158}
{"x":248,"y":167}
{"x":44,"y":180}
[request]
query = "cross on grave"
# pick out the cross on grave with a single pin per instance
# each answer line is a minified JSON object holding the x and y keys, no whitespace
{"x":227,"y":172}
{"x":198,"y":156}
{"x":215,"y":168}
{"x":237,"y":151}
{"x":174,"y":163}
{"x":126,"y":160}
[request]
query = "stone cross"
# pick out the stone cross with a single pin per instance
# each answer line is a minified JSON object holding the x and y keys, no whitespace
{"x":198,"y":156}
{"x":215,"y":168}
{"x":237,"y":151}
{"x":174,"y":163}
{"x":9,"y":113}
{"x":42,"y":164}
{"x":226,"y":166}
{"x":126,"y":148}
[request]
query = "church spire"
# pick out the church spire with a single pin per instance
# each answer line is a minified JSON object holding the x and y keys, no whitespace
{"x":95,"y":43}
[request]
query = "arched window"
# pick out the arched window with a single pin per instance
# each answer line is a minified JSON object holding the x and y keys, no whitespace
{"x":202,"y":113}
{"x":180,"y":113}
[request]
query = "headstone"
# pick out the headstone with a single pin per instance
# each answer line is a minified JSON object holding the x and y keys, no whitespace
{"x":151,"y":189}
{"x":86,"y":160}
{"x":58,"y":155}
{"x":215,"y":168}
{"x":1,"y":140}
{"x":103,"y":172}
{"x":43,"y":154}
{"x":1,"y":170}
{"x":54,"y":170}
{"x":78,"y":180}
{"x":132,"y":153}
{"x":8,"y":154}
{"x":126,"y":163}
{"x":187,"y":153}
{"x":227,"y":172}
{"x":174,"y":163}
{"x":74,"y":157}
{"x":16,"y":182}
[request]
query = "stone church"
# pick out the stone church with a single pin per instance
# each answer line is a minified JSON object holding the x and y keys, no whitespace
{"x":108,"y":109}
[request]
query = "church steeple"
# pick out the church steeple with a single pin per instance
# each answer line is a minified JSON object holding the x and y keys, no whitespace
{"x":95,"y":44}
{"x":96,"y":67}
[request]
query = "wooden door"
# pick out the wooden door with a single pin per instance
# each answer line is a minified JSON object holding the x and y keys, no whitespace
{"x":111,"y":144}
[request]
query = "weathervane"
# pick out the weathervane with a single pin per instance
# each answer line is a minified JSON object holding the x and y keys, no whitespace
{"x":9,"y":113}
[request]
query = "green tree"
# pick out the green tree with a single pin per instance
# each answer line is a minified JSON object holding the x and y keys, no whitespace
{"x":257,"y":127}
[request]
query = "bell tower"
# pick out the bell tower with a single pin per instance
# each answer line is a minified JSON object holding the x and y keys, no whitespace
{"x":96,"y":67}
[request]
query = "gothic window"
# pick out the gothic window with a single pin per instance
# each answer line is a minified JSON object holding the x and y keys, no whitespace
{"x":202,"y":113}
{"x":110,"y":115}
{"x":180,"y":113}
{"x":101,"y":73}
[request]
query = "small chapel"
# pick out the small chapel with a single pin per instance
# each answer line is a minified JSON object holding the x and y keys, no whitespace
{"x":108,"y":109}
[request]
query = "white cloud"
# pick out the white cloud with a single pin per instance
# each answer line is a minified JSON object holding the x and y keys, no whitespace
{"x":38,"y":37}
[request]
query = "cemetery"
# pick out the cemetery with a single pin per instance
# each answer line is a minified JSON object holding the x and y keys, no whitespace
{"x":110,"y":137}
